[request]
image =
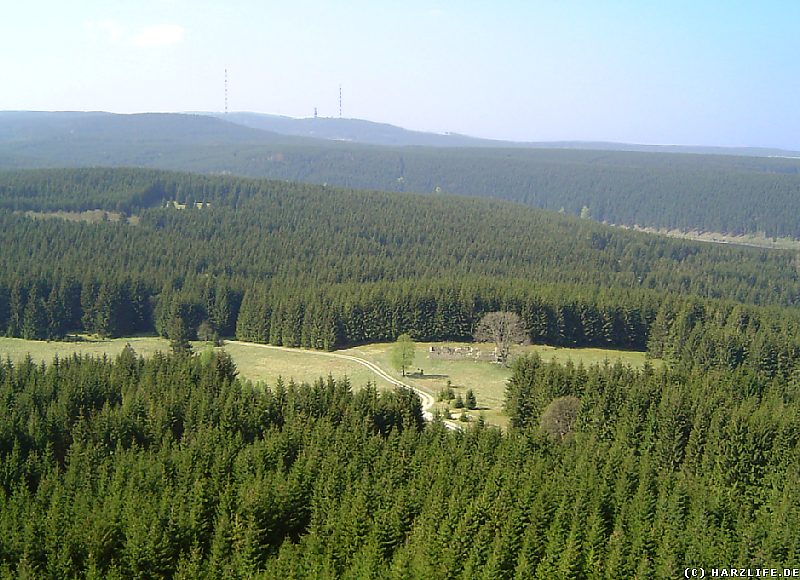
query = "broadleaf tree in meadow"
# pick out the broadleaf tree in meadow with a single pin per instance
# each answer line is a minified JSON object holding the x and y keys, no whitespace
{"x":403,"y":353}
{"x":503,"y":329}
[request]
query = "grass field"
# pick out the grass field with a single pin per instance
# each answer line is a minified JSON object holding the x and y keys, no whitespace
{"x":258,"y":364}
{"x":254,"y":362}
{"x":40,"y":350}
{"x":754,"y":240}
{"x":92,"y":216}
{"x":486,"y":379}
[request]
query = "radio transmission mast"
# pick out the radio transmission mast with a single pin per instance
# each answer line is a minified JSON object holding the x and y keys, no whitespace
{"x":226,"y":91}
{"x":340,"y":101}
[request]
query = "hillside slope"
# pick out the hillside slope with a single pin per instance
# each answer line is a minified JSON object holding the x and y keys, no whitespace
{"x":730,"y":194}
{"x":252,"y":229}
{"x":373,"y":133}
{"x":322,"y":267}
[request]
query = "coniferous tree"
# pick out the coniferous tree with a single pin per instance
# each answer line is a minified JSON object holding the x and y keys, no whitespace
{"x":4,"y":308}
{"x":179,"y":330}
{"x":108,"y":319}
{"x":470,"y":400}
{"x":16,"y":306}
{"x":56,"y":315}
{"x":89,"y":290}
{"x":220,"y":312}
{"x":34,"y":323}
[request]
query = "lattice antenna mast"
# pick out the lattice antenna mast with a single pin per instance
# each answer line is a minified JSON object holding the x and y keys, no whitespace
{"x":226,"y":91}
{"x":340,"y":101}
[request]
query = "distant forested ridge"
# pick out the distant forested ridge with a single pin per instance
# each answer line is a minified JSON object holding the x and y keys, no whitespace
{"x":370,"y":132}
{"x":717,"y":193}
{"x":688,"y":192}
{"x":304,"y":265}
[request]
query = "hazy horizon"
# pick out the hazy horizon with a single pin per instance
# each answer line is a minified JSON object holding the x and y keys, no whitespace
{"x":679,"y":74}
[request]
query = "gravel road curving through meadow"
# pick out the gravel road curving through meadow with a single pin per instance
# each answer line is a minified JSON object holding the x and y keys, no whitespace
{"x":427,"y":400}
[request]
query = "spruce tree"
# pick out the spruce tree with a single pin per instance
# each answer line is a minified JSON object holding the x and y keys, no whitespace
{"x":471,"y":401}
{"x":34,"y":323}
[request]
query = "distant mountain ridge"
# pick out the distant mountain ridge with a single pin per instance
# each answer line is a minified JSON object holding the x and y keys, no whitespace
{"x":258,"y":128}
{"x":731,"y":194}
{"x":21,"y":126}
{"x":74,"y":139}
{"x":372,"y":133}
{"x":351,"y":130}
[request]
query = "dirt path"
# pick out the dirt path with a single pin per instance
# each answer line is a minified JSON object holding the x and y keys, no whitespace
{"x":427,"y":400}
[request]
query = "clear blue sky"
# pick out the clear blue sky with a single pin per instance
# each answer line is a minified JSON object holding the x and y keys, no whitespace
{"x":643,"y":71}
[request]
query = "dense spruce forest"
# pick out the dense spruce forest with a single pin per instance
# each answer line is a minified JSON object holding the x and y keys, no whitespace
{"x":174,"y":467}
{"x":302,"y":265}
{"x":716,"y":193}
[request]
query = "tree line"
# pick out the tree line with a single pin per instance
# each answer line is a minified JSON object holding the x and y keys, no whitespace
{"x":703,"y":333}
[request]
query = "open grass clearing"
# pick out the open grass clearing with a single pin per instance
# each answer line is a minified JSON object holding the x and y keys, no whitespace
{"x":259,"y":364}
{"x":254,"y":362}
{"x":92,"y":216}
{"x":754,"y":240}
{"x":43,"y":350}
{"x":486,"y":379}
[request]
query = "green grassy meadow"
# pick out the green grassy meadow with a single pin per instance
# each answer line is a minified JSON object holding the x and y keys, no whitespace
{"x":254,"y":362}
{"x":258,"y":364}
{"x":41,"y":350}
{"x":486,"y":379}
{"x":262,"y":364}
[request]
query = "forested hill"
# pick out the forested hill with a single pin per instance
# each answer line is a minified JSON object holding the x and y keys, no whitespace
{"x":730,"y":194}
{"x":370,"y":132}
{"x":306,"y":265}
{"x":30,"y":139}
{"x":355,"y":130}
{"x":255,"y":228}
{"x":381,"y":235}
